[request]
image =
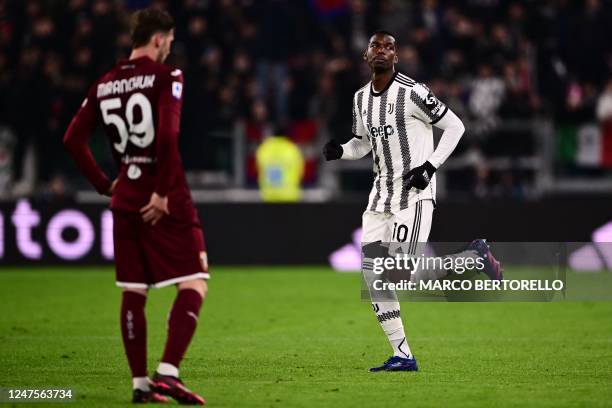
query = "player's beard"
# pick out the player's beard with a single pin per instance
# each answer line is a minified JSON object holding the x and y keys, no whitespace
{"x":381,"y":69}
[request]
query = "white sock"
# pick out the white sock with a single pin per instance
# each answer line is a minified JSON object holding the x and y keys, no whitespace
{"x":141,"y":383}
{"x":388,"y":314}
{"x":168,"y":369}
{"x":401,"y":347}
{"x":387,"y":310}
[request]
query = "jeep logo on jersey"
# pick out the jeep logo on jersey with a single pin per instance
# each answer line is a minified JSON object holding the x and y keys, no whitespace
{"x":382,"y":131}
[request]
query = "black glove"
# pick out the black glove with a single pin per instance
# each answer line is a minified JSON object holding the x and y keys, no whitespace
{"x":419,"y":177}
{"x":332,"y":150}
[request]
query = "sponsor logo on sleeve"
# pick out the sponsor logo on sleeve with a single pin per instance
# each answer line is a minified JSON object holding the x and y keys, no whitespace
{"x":431,"y":101}
{"x":433,"y":104}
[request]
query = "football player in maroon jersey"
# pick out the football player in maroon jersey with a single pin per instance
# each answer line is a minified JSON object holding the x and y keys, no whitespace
{"x":158,"y":238}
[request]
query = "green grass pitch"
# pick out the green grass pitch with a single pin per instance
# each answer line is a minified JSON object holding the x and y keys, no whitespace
{"x":284,"y":337}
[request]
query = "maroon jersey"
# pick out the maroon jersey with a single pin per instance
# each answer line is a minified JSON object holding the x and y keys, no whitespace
{"x":139,"y":104}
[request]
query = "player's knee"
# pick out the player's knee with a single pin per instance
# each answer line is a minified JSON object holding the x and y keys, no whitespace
{"x":199,"y":285}
{"x":140,"y":291}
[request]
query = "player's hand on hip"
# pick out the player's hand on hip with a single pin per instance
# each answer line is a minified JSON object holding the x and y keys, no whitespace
{"x":332,"y":150}
{"x":155,"y":210}
{"x":420,"y":176}
{"x":112,"y":188}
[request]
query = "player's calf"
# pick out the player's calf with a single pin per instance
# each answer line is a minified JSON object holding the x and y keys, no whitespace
{"x":134,"y":335}
{"x":182,"y":323}
{"x":384,"y":303}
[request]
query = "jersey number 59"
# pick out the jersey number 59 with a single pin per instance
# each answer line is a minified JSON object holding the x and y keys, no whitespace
{"x":139,"y":133}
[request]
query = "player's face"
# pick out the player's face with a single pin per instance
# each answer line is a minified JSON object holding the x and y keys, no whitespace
{"x":165,"y":43}
{"x":381,"y":53}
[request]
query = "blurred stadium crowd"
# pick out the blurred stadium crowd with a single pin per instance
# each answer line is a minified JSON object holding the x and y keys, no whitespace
{"x":291,"y":67}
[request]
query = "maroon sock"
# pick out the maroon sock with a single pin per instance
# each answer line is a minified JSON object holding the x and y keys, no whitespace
{"x":181,"y":325}
{"x":134,"y":332}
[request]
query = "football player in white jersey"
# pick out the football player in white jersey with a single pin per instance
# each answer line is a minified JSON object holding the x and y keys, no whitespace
{"x":393,"y":117}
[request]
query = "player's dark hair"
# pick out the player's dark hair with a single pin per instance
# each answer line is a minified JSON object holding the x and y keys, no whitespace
{"x":383,"y":32}
{"x":147,"y":22}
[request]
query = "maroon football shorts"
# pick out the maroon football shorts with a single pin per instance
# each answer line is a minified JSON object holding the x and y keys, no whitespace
{"x":170,"y":252}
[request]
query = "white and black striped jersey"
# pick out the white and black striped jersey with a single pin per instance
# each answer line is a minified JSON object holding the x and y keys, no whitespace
{"x":396,"y":123}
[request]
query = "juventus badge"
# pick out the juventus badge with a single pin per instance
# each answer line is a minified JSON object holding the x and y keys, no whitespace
{"x":391,"y":106}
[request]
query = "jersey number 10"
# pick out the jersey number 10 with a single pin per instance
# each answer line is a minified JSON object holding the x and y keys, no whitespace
{"x":400,"y":233}
{"x":139,"y":133}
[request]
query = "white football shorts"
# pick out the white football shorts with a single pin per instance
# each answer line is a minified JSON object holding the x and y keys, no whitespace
{"x":406,"y":228}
